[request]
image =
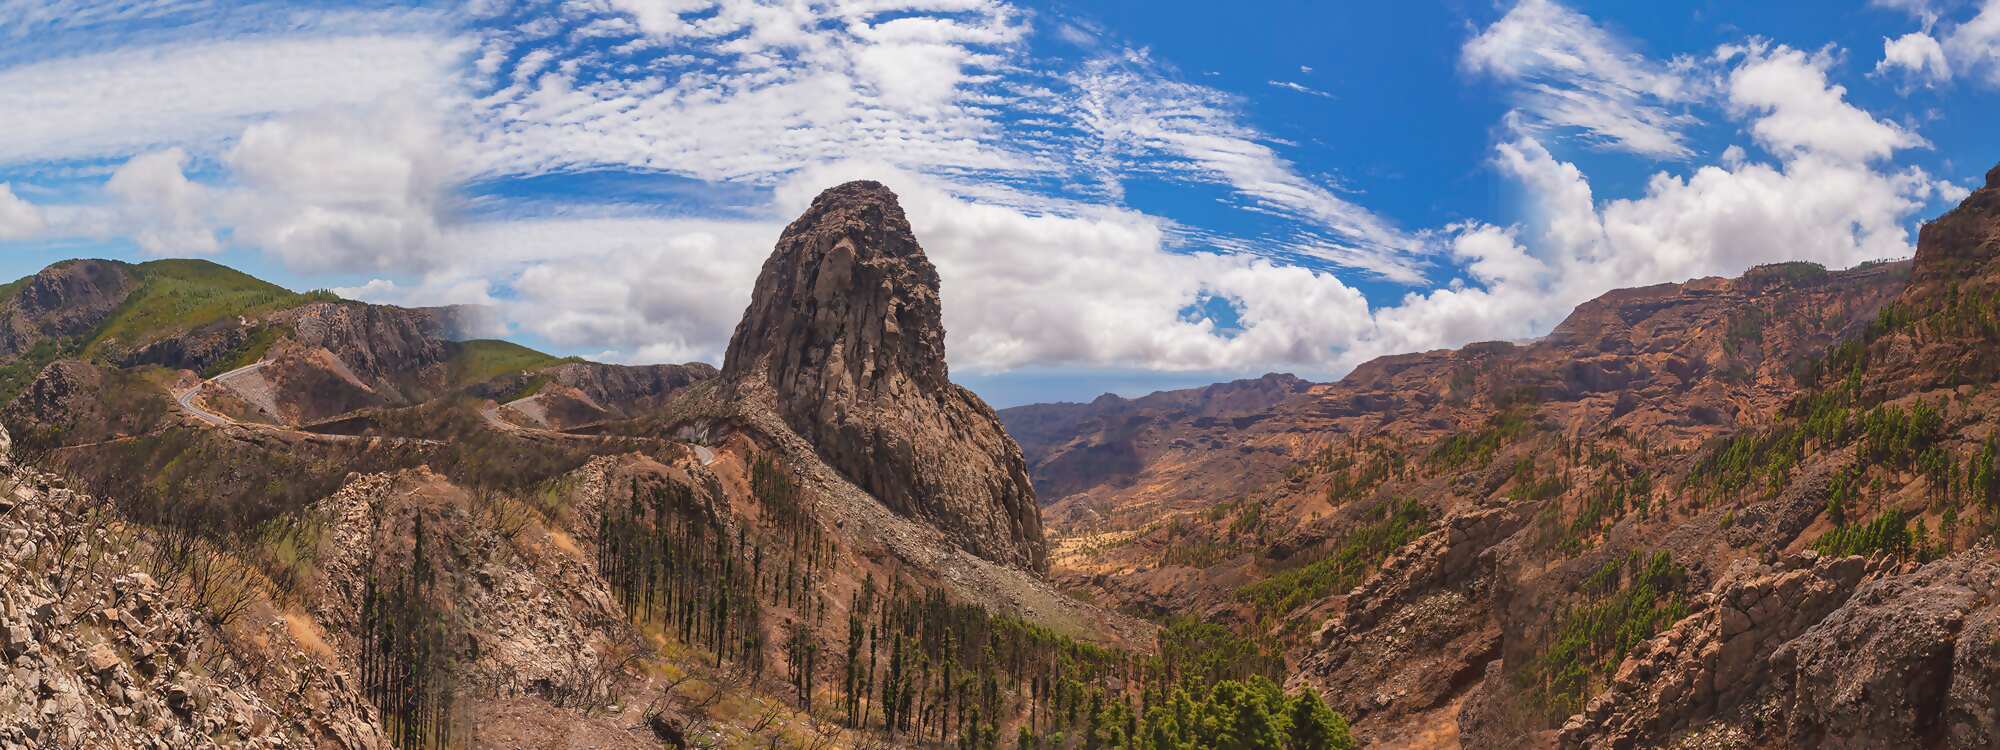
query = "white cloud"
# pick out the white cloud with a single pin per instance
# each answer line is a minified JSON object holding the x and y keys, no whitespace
{"x":778,"y":87}
{"x":1138,"y":119}
{"x":1926,"y":11}
{"x":1918,"y":56}
{"x":652,"y":290}
{"x":351,"y":189}
{"x":163,"y":211}
{"x":934,"y":97}
{"x":129,"y":100}
{"x":1974,"y":46}
{"x":1823,"y":201}
{"x":1800,"y":111}
{"x":1568,"y":73}
{"x":19,"y":219}
{"x":1020,"y":289}
{"x":1102,"y":289}
{"x":1301,"y":88}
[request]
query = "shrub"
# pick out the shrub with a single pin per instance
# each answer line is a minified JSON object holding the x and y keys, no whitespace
{"x":1391,"y":526}
{"x":1628,"y":600}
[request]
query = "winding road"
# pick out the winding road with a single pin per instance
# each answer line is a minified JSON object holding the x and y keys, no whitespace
{"x":186,"y":397}
{"x":493,"y":419}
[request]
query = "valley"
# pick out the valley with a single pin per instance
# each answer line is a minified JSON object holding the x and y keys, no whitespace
{"x":1729,"y":512}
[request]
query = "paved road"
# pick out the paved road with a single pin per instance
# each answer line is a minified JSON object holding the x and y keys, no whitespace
{"x":186,"y":398}
{"x":492,"y":416}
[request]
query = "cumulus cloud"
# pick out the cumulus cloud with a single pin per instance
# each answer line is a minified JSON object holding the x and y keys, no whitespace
{"x":163,"y":211}
{"x":1974,"y":46}
{"x":1823,"y":200}
{"x":1923,"y":10}
{"x":1569,"y":74}
{"x":19,"y":219}
{"x":649,"y":290}
{"x":1916,"y":55}
{"x":1945,"y":48}
{"x":1020,"y":288}
{"x":935,"y":99}
{"x":358,"y":189}
{"x":1801,"y":112}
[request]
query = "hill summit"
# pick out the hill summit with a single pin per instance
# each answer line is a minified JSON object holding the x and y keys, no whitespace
{"x":845,"y":334}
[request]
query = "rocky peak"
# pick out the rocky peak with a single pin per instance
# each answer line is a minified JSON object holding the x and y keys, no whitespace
{"x":65,"y":299}
{"x":1957,"y":245}
{"x":846,"y":331}
{"x":847,"y":300}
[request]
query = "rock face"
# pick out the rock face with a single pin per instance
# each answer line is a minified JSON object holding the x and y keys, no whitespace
{"x":64,"y":300}
{"x":845,"y":331}
{"x":100,"y":654}
{"x":1818,"y":652}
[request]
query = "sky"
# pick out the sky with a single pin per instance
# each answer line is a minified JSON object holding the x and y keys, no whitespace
{"x":1120,"y":196}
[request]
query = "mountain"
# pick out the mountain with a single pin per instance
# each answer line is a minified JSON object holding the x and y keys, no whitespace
{"x":1754,"y":512}
{"x":1071,"y":447}
{"x":845,"y":334}
{"x":311,"y":522}
{"x":1751,"y":512}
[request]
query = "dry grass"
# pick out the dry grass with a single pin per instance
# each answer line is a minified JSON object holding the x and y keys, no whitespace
{"x":306,"y":631}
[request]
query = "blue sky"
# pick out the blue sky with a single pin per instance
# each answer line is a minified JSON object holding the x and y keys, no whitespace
{"x":1119,"y":195}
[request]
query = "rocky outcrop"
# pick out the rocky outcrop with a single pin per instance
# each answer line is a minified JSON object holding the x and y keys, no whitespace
{"x":399,"y":352}
{"x":533,"y":624}
{"x":1416,"y":632}
{"x":629,"y":389}
{"x":1897,"y":664}
{"x":100,"y":654}
{"x":844,"y":335}
{"x":65,"y":300}
{"x":1817,"y":652}
{"x":85,"y":403}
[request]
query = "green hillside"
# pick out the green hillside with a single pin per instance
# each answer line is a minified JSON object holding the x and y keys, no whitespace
{"x":180,"y":295}
{"x":480,"y":360}
{"x":173,"y":296}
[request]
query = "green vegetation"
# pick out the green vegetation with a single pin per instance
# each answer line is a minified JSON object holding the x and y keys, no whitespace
{"x":1732,"y":463}
{"x":1476,"y":448}
{"x":480,"y":360}
{"x":1621,"y":488}
{"x":1888,"y":532}
{"x":172,"y":296}
{"x":1191,"y":546}
{"x":180,"y":295}
{"x":1744,"y":328}
{"x":1627,"y":601}
{"x":1896,"y":437}
{"x":1201,"y":653}
{"x":1231,"y":715}
{"x":17,"y":375}
{"x":1982,"y":479}
{"x":1793,"y":271}
{"x":1387,"y":529}
{"x":532,"y":385}
{"x":248,"y":353}
{"x":11,"y":288}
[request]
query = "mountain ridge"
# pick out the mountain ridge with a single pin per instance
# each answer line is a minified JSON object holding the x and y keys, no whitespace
{"x":1664,"y":522}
